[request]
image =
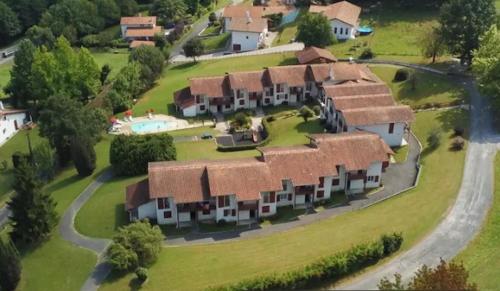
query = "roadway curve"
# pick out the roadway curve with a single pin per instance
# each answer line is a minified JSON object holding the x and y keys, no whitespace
{"x":465,"y":219}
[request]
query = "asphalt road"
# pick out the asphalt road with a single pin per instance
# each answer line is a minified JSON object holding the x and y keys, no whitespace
{"x":465,"y":219}
{"x":8,"y":49}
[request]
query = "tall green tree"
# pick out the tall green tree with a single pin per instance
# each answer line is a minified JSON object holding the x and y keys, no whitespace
{"x":19,"y":87}
{"x":193,"y":48}
{"x":33,"y":211}
{"x":45,"y":160}
{"x":463,"y":22}
{"x":108,"y":10}
{"x":10,"y":265}
{"x":128,"y":7}
{"x":9,"y":24}
{"x":83,"y":155}
{"x":29,"y":11}
{"x":41,"y":36}
{"x":486,"y":65}
{"x":431,"y":42}
{"x":169,"y":11}
{"x":151,"y":60}
{"x":314,"y":30}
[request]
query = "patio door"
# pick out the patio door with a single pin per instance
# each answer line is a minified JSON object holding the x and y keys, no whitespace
{"x":236,"y":47}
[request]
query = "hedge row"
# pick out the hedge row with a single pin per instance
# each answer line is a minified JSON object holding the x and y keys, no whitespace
{"x":266,"y":139}
{"x":330,"y":268}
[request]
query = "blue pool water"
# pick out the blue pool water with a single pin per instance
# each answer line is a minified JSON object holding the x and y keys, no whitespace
{"x":365,"y":30}
{"x":152,"y":126}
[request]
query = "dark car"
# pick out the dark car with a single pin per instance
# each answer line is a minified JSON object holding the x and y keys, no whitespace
{"x":206,"y":135}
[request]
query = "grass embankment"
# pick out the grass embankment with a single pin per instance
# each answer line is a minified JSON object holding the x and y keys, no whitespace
{"x":414,"y":213}
{"x":430,"y":90}
{"x":116,"y":59}
{"x":216,"y":43}
{"x":288,"y":31}
{"x":57,"y":264}
{"x":482,"y":256}
{"x":4,"y":77}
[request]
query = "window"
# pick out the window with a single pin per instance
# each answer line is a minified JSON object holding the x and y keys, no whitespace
{"x":286,"y":96}
{"x":289,"y":197}
{"x":321,"y":182}
{"x":376,"y":179}
{"x":233,"y":212}
{"x":247,"y":36}
{"x":224,"y":201}
{"x":341,"y":30}
{"x":320,"y":194}
{"x":283,"y":197}
{"x":346,"y":31}
{"x":163,"y":203}
{"x":391,"y":127}
{"x":272,"y":197}
{"x":206,"y":211}
{"x":167,"y":214}
{"x":308,"y":86}
{"x":335,"y":30}
{"x":242,"y":102}
{"x":266,"y":209}
{"x":269,"y":197}
{"x":284,"y":185}
{"x":360,"y":172}
{"x":265,"y":197}
{"x":227,"y":212}
{"x":271,"y":91}
{"x":228,"y":106}
{"x":202,"y":107}
{"x":335,"y":182}
{"x":198,"y":99}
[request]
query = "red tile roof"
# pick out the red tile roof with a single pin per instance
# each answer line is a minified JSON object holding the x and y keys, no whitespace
{"x":356,"y":89}
{"x":240,"y":11}
{"x":138,"y":20}
{"x":138,"y":43}
{"x":210,"y":86}
{"x":183,"y":98}
{"x":361,"y":101}
{"x":142,"y":32}
{"x":378,"y":115}
{"x":341,"y":72}
{"x":314,"y":55}
{"x":243,"y":24}
{"x":343,"y":11}
{"x":252,"y":81}
{"x":292,"y":75}
{"x":137,"y":194}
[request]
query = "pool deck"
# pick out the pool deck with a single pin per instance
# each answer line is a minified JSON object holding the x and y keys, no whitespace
{"x":126,"y":127}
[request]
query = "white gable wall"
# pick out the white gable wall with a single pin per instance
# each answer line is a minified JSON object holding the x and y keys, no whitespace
{"x":339,"y":29}
{"x":249,"y":41}
{"x":8,"y":125}
{"x":392,"y":139}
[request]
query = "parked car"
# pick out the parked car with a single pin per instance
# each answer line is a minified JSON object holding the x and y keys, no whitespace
{"x":7,"y":54}
{"x":206,"y":135}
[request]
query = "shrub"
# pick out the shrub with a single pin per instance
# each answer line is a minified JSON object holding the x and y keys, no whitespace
{"x":367,"y":54}
{"x":401,"y":75}
{"x":329,"y":268}
{"x":458,"y":131}
{"x":221,"y":222}
{"x":306,"y":112}
{"x":131,"y":154}
{"x":141,"y":273}
{"x":434,"y":138}
{"x":270,"y":118}
{"x":317,"y":110}
{"x":458,"y":143}
{"x":17,"y":156}
{"x":212,"y":17}
{"x":241,"y":120}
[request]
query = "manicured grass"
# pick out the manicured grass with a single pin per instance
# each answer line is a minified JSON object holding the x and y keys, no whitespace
{"x":430,"y":88}
{"x":396,"y":30}
{"x":116,"y":59}
{"x":288,"y":31}
{"x":57,"y":264}
{"x":215,"y":43}
{"x":198,"y":131}
{"x":211,"y":29}
{"x":282,"y":135}
{"x":283,"y":214}
{"x":16,"y":143}
{"x":400,"y":153}
{"x":482,"y":256}
{"x":414,"y":213}
{"x":176,"y":77}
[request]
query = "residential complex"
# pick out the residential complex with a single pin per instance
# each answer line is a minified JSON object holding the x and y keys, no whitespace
{"x":247,"y":27}
{"x":242,"y":190}
{"x":139,"y":30}
{"x":343,"y":17}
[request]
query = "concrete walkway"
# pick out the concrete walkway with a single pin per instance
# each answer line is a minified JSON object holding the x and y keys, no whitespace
{"x":465,"y":219}
{"x":292,"y":47}
{"x":99,"y":246}
{"x":398,"y":178}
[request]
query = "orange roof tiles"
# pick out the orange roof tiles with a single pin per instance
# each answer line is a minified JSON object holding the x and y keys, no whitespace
{"x":378,"y":115}
{"x":240,"y":11}
{"x":356,"y":89}
{"x":252,"y":81}
{"x":142,"y":32}
{"x":343,"y":11}
{"x":244,"y":24}
{"x":210,"y":86}
{"x":292,"y":75}
{"x":313,"y":55}
{"x":138,"y":20}
{"x":183,"y":98}
{"x":360,"y":101}
{"x":137,"y":194}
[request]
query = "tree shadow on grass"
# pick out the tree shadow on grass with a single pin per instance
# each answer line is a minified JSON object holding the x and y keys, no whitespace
{"x":121,"y":218}
{"x":451,"y":119}
{"x":428,"y":85}
{"x":183,"y":66}
{"x":310,"y":127}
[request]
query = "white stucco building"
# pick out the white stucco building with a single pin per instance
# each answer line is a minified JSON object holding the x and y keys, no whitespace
{"x":11,"y":120}
{"x":343,"y":17}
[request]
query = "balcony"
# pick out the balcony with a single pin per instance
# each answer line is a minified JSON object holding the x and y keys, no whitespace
{"x":248,"y":206}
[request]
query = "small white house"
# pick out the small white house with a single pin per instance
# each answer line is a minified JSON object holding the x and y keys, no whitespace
{"x":343,"y":16}
{"x":247,"y":34}
{"x":11,"y":120}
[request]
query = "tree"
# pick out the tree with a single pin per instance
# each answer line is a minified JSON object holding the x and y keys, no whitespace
{"x":137,"y":244}
{"x":9,"y":24}
{"x":10,"y":265}
{"x":105,"y":70}
{"x":19,"y":87}
{"x":306,"y":112}
{"x":108,"y":10}
{"x":45,"y":160}
{"x":431,"y":42}
{"x":169,"y":11}
{"x":486,"y":66}
{"x":28,"y":11}
{"x":83,"y":155}
{"x":445,"y":276}
{"x":212,"y":17}
{"x":193,"y":6}
{"x":314,"y":30}
{"x":41,"y":36}
{"x":128,"y":7}
{"x":193,"y":48}
{"x":160,"y":41}
{"x":463,"y":22}
{"x":151,"y":60}
{"x":33,"y":211}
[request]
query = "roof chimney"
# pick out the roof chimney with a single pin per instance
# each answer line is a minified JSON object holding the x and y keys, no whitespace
{"x":249,"y":19}
{"x":330,"y":72}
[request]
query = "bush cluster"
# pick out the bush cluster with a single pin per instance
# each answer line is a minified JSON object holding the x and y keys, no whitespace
{"x":367,"y":54}
{"x":131,"y":154}
{"x":401,"y":75}
{"x":329,"y":268}
{"x":266,"y":138}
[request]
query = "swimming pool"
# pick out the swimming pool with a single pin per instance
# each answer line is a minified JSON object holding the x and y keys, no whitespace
{"x":152,"y":126}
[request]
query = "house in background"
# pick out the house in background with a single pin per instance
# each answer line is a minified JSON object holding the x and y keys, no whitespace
{"x":237,"y":12}
{"x":315,"y":55}
{"x":11,"y":120}
{"x":247,"y":33}
{"x":343,"y":17}
{"x":242,"y":190}
{"x":139,"y":28}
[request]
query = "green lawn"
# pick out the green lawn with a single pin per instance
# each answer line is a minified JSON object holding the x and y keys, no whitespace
{"x":57,"y":264}
{"x":18,"y":142}
{"x":215,"y":43}
{"x":415,"y":213}
{"x":116,"y":59}
{"x":430,"y":88}
{"x":211,"y":29}
{"x":289,"y":31}
{"x":176,"y":77}
{"x":482,"y":256}
{"x":297,"y":135}
{"x":400,"y":153}
{"x":4,"y":76}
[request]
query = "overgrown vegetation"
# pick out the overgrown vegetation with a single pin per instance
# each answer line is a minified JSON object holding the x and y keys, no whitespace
{"x":314,"y":30}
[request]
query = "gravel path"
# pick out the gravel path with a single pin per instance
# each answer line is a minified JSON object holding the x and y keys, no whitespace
{"x":465,"y":219}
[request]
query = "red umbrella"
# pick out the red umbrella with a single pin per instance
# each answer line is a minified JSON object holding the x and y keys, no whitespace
{"x":128,"y":112}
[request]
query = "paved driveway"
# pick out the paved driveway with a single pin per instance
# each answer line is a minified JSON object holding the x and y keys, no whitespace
{"x":464,"y":220}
